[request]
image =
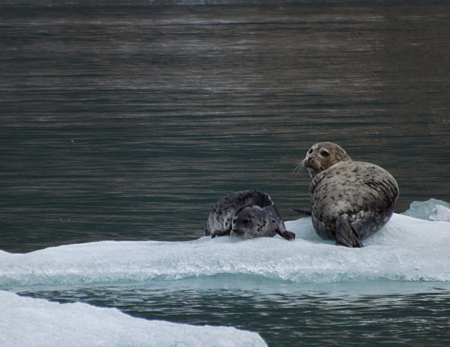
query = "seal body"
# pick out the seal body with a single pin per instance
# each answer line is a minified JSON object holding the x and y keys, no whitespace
{"x":350,"y":200}
{"x":246,"y":214}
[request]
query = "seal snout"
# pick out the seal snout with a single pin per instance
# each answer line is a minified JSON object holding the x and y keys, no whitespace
{"x":309,"y":162}
{"x":306,"y":161}
{"x":312,"y":166}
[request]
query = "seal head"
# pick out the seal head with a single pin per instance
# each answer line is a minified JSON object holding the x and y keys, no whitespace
{"x":323,"y":155}
{"x":247,"y":214}
{"x":350,"y":200}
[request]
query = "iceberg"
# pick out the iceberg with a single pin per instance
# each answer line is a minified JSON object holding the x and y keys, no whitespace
{"x":435,"y":210}
{"x":29,"y":322}
{"x":406,"y":249}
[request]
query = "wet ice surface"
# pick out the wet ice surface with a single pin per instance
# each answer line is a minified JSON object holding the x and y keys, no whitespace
{"x":406,"y":249}
{"x":37,"y":322}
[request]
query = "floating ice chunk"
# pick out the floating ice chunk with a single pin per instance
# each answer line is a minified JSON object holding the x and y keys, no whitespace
{"x":435,"y":210}
{"x":406,"y":249}
{"x":443,"y":213}
{"x":28,"y":322}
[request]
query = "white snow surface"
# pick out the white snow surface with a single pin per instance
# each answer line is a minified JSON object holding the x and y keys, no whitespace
{"x":28,"y":322}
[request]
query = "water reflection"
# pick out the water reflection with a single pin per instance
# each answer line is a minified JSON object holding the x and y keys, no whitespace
{"x":131,"y":122}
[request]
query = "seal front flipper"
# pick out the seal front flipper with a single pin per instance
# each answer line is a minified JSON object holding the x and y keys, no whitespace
{"x":302,"y":212}
{"x":345,"y":234}
{"x":287,"y":235}
{"x":220,"y":233}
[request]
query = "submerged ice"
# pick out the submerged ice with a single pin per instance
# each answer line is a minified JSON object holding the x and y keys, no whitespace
{"x":406,"y":249}
{"x":36,"y":322}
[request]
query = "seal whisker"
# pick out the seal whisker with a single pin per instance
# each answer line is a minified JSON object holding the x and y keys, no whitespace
{"x":297,"y":169}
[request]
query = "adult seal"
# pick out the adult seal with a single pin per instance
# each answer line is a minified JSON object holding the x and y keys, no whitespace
{"x":350,"y":200}
{"x":246,"y":214}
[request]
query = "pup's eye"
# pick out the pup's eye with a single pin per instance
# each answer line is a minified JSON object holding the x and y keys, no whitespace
{"x":324,"y":154}
{"x":310,"y":151}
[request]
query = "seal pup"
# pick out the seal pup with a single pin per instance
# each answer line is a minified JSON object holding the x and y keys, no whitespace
{"x":350,"y":200}
{"x":246,"y":214}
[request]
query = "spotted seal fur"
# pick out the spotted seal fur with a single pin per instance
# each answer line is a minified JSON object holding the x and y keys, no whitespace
{"x":350,"y":200}
{"x":246,"y":214}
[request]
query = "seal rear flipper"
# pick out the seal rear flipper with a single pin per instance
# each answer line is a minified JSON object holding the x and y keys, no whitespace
{"x":345,"y":234}
{"x":302,"y":212}
{"x":287,"y":235}
{"x":220,"y":233}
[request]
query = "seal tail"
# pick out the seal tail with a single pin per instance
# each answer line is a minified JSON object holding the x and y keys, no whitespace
{"x":345,"y":234}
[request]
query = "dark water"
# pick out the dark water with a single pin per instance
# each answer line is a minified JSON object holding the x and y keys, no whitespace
{"x":129,"y":121}
{"x":325,"y":315}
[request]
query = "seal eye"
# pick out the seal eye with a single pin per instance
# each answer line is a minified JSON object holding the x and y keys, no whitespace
{"x":245,"y":221}
{"x":310,"y":151}
{"x":324,"y":154}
